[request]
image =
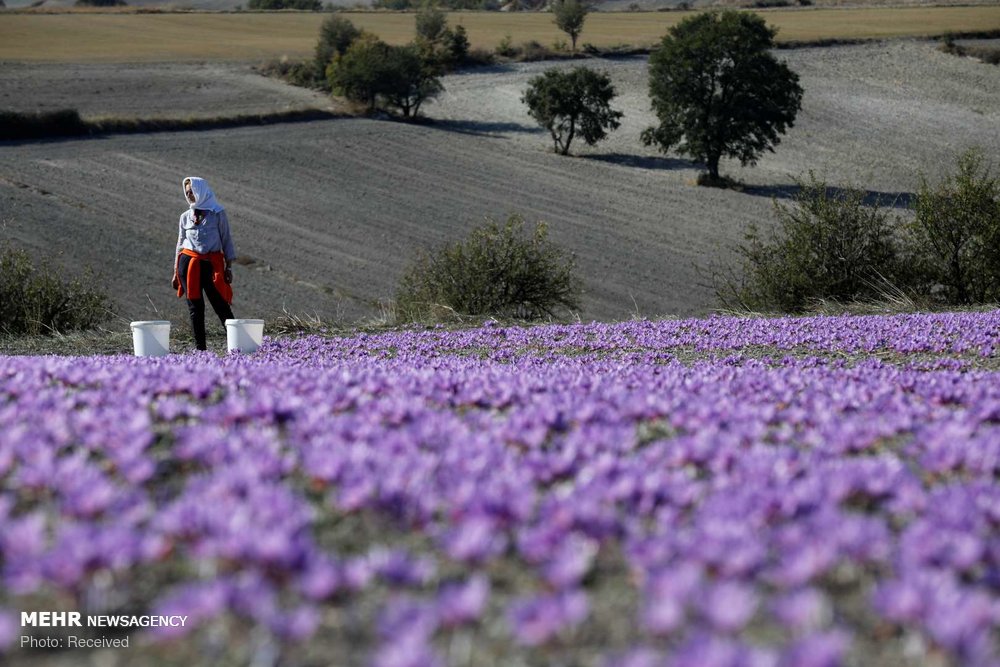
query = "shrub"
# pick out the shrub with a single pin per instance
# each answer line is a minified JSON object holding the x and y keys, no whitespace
{"x":480,"y":56}
{"x":303,"y":73}
{"x":567,"y":103}
{"x":441,"y":47}
{"x":308,"y":5}
{"x":828,"y":245}
{"x":738,"y":110}
{"x":533,"y":50}
{"x":62,"y":123}
{"x":457,"y":45}
{"x":956,"y":233}
{"x":100,"y":3}
{"x":506,"y":48}
{"x":500,"y":270}
{"x":36,"y":300}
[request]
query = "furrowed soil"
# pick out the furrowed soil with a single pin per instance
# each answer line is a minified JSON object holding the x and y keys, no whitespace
{"x":327,"y":214}
{"x":168,"y":90}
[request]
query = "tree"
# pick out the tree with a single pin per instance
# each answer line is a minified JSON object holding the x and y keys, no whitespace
{"x":358,"y":73}
{"x":431,"y":23}
{"x":408,"y":80}
{"x":956,"y":232}
{"x":457,"y":45}
{"x":335,"y":36}
{"x":569,"y":17}
{"x":371,"y":70}
{"x":717,"y":90}
{"x":567,"y":103}
{"x":441,"y":47}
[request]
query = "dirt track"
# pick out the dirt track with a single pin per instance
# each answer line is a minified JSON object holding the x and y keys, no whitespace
{"x":329,"y":212}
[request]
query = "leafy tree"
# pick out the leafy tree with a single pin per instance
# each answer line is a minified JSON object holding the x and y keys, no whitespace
{"x":408,"y":79}
{"x":717,"y":90}
{"x":956,"y":232}
{"x":569,"y":17}
{"x":829,"y":244}
{"x":360,"y":71}
{"x":457,"y":45}
{"x":440,"y":46}
{"x":501,"y":270}
{"x":572,"y":102}
{"x":335,"y":36}
{"x":371,"y":70}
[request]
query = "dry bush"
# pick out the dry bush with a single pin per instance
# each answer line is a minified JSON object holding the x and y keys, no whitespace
{"x":828,"y":245}
{"x":36,"y":300}
{"x":500,"y":270}
{"x":27,"y":125}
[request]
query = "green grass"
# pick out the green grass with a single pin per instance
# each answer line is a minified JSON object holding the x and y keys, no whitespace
{"x":124,"y":36}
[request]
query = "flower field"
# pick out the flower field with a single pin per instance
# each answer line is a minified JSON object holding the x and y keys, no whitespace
{"x":721,"y":492}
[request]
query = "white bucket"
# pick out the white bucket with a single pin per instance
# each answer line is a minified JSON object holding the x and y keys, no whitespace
{"x":151,"y":338}
{"x":244,"y":335}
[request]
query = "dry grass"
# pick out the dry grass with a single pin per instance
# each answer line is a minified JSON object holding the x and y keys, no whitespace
{"x":121,"y":36}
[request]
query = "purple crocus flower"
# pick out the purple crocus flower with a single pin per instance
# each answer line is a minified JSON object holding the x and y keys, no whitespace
{"x":536,"y":620}
{"x":803,"y":610}
{"x":411,"y":651}
{"x":636,"y":657}
{"x":459,"y":603}
{"x":825,"y":649}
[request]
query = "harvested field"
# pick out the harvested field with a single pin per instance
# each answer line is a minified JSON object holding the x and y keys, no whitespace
{"x":326,"y":214}
{"x":154,"y":90}
{"x":126,"y":37}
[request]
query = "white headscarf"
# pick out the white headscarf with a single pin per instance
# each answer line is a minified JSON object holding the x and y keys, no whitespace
{"x":204,"y":198}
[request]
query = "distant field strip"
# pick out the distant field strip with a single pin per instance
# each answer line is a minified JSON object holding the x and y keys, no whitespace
{"x":192,"y":37}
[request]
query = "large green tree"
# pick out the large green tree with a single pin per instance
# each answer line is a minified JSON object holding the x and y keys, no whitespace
{"x":573,"y":102}
{"x":718,"y":91}
{"x":408,"y":79}
{"x":371,"y":71}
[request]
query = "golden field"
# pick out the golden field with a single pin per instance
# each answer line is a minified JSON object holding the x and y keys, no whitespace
{"x":87,"y":36}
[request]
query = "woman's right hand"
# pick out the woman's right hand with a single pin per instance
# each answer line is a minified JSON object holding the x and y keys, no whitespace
{"x":176,"y":282}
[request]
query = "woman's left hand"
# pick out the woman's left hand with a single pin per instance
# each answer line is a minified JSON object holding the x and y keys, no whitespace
{"x":228,"y":275}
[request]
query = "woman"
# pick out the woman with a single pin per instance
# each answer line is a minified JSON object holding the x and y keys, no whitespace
{"x":204,"y":255}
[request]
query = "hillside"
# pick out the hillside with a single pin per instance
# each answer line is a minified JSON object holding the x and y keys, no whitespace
{"x":327,"y":214}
